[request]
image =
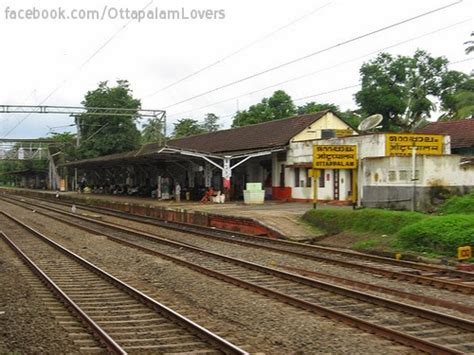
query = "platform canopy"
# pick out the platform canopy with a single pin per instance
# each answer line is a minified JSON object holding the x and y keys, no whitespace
{"x":224,"y":145}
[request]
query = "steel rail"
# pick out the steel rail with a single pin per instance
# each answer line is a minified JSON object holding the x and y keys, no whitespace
{"x":101,"y":334}
{"x":250,"y":241}
{"x":438,"y":302}
{"x":354,"y":321}
{"x":195,"y":229}
{"x":432,"y":315}
{"x":220,"y":343}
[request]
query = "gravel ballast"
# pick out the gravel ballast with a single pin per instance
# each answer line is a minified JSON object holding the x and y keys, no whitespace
{"x":242,"y":316}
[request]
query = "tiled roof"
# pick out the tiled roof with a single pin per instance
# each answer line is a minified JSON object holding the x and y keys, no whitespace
{"x":461,"y":131}
{"x":265,"y":135}
{"x":259,"y":136}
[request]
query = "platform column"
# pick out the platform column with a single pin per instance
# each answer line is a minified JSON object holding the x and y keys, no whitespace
{"x":207,"y":174}
{"x":226,"y":175}
{"x":190,"y":176}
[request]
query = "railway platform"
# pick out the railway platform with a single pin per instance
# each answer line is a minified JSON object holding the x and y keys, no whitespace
{"x":273,"y":218}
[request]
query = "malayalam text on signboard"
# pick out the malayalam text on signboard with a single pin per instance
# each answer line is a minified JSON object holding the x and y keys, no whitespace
{"x":402,"y":144}
{"x":335,"y":157}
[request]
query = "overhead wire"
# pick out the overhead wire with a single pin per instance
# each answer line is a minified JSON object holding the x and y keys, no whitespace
{"x":323,"y":69}
{"x":306,"y":97}
{"x":337,"y":90}
{"x":312,"y":54}
{"x":239,"y":50}
{"x":78,"y":69}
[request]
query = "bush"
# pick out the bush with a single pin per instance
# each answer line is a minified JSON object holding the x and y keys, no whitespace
{"x":441,"y":234}
{"x":334,"y":221}
{"x":459,"y":205}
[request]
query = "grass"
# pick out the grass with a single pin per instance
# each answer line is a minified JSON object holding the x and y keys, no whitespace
{"x":402,"y":231}
{"x":439,"y":234}
{"x":365,"y":244}
{"x":334,"y":221}
{"x":458,"y":205}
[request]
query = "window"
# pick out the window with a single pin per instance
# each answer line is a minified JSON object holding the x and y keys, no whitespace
{"x":309,"y":179}
{"x":321,"y":178}
{"x":297,"y":177}
{"x":392,"y":175}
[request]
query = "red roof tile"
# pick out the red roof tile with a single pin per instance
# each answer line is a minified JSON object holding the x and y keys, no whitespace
{"x":461,"y":131}
{"x":259,"y":136}
{"x":265,"y":135}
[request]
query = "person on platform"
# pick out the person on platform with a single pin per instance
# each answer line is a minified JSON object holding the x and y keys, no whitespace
{"x":82,"y":184}
{"x":207,"y":196}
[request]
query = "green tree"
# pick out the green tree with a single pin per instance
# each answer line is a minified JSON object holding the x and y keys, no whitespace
{"x":8,"y":166}
{"x":101,"y":135}
{"x":186,"y":127}
{"x":457,"y":97}
{"x":153,"y":131}
{"x":68,"y":144}
{"x":463,"y":100}
{"x":254,"y":114}
{"x":353,"y":118}
{"x":279,"y":105}
{"x":402,"y":88}
{"x":210,"y":123}
{"x":311,"y":107}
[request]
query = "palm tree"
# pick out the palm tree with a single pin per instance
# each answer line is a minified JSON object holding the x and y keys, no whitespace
{"x":153,"y":131}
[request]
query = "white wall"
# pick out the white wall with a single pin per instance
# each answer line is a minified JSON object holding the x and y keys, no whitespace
{"x":312,"y":132}
{"x":433,"y":170}
{"x":369,"y":146}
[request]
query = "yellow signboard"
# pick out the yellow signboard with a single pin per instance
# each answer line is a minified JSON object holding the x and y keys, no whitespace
{"x":464,"y":253}
{"x":313,"y":173}
{"x":334,"y":157}
{"x":402,"y":144}
{"x":344,"y":132}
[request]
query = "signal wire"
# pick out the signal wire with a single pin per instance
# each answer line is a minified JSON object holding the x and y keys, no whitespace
{"x":354,"y":39}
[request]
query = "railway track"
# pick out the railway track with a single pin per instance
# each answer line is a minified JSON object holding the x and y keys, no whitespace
{"x":424,"y":274}
{"x":420,"y":298}
{"x":41,"y":296}
{"x":417,"y":327}
{"x":121,"y":317}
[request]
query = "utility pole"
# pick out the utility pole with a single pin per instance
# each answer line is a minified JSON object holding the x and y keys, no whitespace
{"x":164,"y":126}
{"x":78,"y":142}
{"x":413,"y":177}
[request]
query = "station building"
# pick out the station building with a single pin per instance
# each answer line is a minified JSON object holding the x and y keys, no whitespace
{"x":225,"y":160}
{"x":279,"y":155}
{"x":28,"y":178}
{"x":391,"y":176}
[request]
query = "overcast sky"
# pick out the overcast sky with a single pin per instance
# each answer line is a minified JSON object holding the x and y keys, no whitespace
{"x":44,"y":57}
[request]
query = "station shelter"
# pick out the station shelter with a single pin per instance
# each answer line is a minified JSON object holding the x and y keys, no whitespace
{"x":27,"y":178}
{"x":225,"y":160}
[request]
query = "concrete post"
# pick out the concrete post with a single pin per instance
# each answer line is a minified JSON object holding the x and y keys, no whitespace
{"x":207,"y":174}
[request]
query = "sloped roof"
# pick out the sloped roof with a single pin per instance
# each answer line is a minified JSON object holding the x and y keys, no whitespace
{"x":265,"y":135}
{"x":461,"y":131}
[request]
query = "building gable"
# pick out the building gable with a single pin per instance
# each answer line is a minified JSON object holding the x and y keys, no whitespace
{"x":329,"y":121}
